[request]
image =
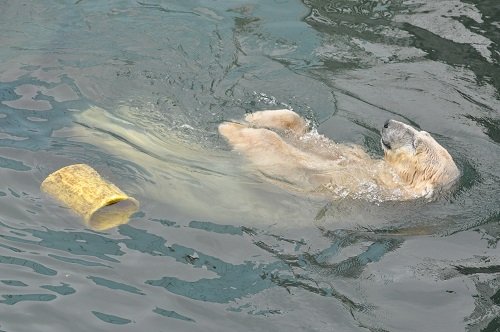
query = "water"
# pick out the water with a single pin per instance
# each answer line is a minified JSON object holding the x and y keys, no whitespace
{"x":136,"y":89}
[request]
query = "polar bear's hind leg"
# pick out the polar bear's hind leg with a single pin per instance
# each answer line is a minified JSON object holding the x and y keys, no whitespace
{"x":249,"y":140}
{"x":278,"y":119}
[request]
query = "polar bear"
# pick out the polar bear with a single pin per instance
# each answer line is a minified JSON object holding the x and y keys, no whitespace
{"x":279,"y":144}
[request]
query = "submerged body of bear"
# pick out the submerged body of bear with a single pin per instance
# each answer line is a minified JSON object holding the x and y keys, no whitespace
{"x":414,"y":164}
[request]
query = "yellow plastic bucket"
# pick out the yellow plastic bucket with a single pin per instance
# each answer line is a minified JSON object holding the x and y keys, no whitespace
{"x":101,"y":204}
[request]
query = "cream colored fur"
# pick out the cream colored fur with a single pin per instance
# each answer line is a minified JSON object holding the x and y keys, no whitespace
{"x":280,"y":147}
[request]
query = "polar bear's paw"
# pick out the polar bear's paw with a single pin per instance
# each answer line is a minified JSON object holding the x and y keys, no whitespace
{"x":278,"y":119}
{"x":244,"y":138}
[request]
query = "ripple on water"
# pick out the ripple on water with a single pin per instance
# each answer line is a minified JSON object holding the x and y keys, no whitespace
{"x":214,"y":247}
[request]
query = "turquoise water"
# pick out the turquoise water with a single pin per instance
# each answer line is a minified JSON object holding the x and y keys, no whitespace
{"x":136,"y":90}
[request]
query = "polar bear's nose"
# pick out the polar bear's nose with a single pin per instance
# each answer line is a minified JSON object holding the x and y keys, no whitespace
{"x":386,"y":124}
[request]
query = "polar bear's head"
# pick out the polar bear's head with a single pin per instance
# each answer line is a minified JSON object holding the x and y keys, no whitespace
{"x":417,"y":158}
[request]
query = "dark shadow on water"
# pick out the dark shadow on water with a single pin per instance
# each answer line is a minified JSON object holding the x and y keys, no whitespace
{"x":366,"y":20}
{"x":454,"y":54}
{"x":493,"y":326}
{"x":491,"y":126}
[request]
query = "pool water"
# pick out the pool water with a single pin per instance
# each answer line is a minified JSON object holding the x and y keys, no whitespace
{"x":136,"y":89}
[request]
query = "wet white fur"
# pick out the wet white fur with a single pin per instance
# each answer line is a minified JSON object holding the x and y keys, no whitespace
{"x":279,"y":145}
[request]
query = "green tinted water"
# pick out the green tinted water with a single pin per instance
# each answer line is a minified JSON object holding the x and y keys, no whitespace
{"x":137,"y":89}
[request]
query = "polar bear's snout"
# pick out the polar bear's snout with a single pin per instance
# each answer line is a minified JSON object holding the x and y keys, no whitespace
{"x":397,"y":135}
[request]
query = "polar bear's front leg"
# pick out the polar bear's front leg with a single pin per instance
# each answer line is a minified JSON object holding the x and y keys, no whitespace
{"x":279,"y":119}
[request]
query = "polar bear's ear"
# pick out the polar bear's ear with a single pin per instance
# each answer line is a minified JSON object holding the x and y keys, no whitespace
{"x":416,"y":142}
{"x":417,"y":139}
{"x":420,"y":138}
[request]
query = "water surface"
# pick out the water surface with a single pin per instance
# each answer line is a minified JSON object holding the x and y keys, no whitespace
{"x":136,"y":90}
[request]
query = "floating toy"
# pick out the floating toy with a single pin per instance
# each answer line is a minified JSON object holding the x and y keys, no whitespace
{"x":101,"y":204}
